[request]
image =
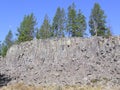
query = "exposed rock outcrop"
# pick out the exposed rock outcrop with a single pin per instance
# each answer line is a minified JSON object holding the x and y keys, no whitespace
{"x":65,"y":61}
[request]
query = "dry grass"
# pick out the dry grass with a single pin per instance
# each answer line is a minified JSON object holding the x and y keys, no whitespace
{"x":22,"y":86}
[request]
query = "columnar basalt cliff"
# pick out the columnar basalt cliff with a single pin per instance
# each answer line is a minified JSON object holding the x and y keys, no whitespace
{"x":65,"y":61}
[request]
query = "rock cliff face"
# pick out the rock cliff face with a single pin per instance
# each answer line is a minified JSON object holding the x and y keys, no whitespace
{"x":65,"y":61}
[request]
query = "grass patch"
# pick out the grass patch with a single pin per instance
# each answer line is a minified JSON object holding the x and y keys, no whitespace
{"x":22,"y":86}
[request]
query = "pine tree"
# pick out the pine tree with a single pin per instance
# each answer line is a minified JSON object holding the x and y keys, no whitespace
{"x":9,"y":39}
{"x":97,"y":22}
{"x":80,"y":24}
{"x":27,"y":28}
{"x":76,"y":24}
{"x":58,"y":25}
{"x":45,"y":30}
{"x":71,"y":20}
{"x":8,"y":42}
{"x":4,"y":50}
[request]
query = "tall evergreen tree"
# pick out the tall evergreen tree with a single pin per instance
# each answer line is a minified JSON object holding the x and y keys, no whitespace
{"x":45,"y":30}
{"x":9,"y":39}
{"x":27,"y":28}
{"x":97,"y":22}
{"x":80,"y":24}
{"x":58,"y":26}
{"x":76,"y":24}
{"x":8,"y":42}
{"x":71,"y":20}
{"x":4,"y":50}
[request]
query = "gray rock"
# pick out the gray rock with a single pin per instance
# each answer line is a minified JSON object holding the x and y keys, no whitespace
{"x":64,"y":61}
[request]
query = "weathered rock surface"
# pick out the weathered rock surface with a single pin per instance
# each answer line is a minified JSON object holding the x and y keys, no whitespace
{"x":65,"y":61}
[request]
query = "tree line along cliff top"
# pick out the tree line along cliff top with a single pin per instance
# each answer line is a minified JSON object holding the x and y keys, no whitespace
{"x":70,"y":23}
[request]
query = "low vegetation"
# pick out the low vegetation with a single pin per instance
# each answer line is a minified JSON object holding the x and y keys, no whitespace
{"x":22,"y":86}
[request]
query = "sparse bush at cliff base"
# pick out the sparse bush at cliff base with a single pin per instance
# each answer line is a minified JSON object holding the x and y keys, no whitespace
{"x":22,"y":86}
